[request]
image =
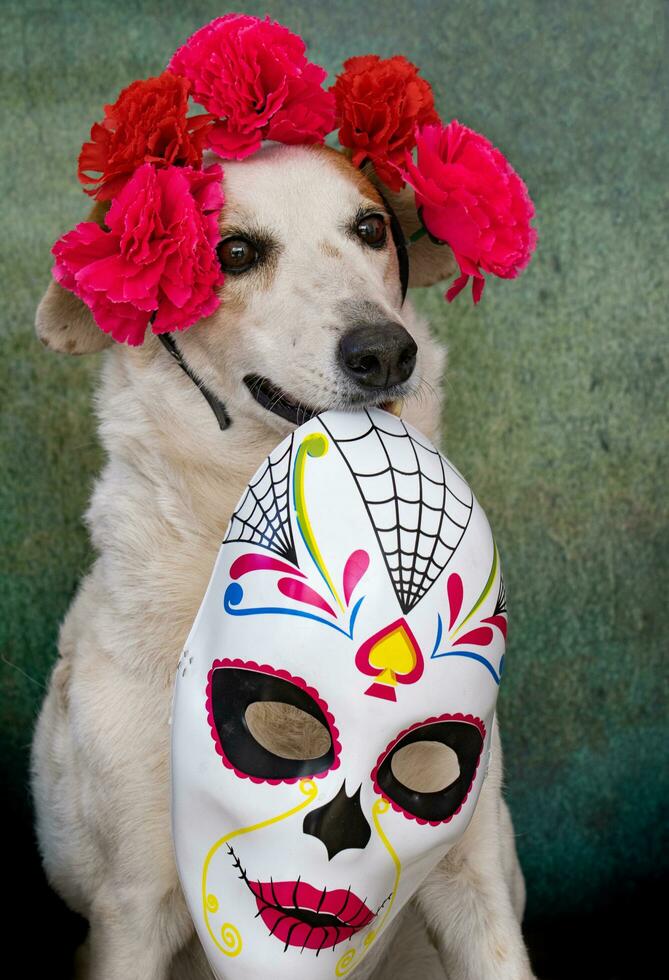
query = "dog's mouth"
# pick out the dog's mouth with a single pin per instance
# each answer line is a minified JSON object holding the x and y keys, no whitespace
{"x":274,"y":399}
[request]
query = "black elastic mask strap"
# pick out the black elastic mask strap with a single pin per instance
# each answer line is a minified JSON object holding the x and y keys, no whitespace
{"x":400,"y":247}
{"x":215,"y":404}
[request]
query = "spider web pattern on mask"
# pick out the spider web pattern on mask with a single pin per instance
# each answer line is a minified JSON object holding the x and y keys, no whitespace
{"x":417,"y":503}
{"x":500,"y":605}
{"x":262,"y":517}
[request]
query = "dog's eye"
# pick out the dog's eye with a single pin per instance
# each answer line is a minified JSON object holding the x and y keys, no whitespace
{"x":372,"y":230}
{"x":237,"y":255}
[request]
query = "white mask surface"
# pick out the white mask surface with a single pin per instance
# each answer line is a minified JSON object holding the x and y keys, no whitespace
{"x":334,"y":704}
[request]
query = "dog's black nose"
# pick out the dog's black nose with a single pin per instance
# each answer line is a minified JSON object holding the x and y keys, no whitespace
{"x":378,"y":355}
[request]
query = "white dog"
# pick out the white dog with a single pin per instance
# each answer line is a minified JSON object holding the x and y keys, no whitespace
{"x":312,"y":317}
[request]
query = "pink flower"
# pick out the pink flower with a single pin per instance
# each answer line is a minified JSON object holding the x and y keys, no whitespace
{"x":252,"y":74}
{"x":155,"y":262}
{"x":470,"y":196}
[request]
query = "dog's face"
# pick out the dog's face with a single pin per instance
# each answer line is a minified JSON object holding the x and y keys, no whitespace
{"x":310,"y":316}
{"x":311,"y":312}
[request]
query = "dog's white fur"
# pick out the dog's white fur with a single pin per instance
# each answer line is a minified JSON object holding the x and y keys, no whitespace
{"x":158,"y":514}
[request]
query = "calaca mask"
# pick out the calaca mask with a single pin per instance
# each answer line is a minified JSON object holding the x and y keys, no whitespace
{"x":357,"y":595}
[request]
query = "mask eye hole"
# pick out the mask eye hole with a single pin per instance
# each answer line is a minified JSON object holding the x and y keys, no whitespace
{"x":425,"y":767}
{"x":268,"y":725}
{"x":428,"y":770}
{"x":287,"y":731}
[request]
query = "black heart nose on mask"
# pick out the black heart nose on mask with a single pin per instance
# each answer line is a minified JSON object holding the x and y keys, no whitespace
{"x":340,"y":824}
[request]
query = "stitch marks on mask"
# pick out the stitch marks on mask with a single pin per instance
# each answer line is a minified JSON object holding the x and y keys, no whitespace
{"x":307,"y":918}
{"x":230,"y":935}
{"x":295,"y":911}
{"x":350,"y":957}
{"x":300,"y":915}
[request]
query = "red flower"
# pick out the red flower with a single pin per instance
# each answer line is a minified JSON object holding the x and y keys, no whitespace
{"x":146,"y":124}
{"x":379,"y":104}
{"x":252,"y":74}
{"x":157,"y":262}
{"x":470,"y":196}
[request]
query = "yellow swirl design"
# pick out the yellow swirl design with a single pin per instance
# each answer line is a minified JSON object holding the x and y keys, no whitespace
{"x":486,"y":589}
{"x":382,"y":806}
{"x":345,"y":963}
{"x":230,"y":942}
{"x":315,"y":445}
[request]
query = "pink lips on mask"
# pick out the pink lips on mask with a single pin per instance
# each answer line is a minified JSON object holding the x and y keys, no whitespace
{"x":314,"y":918}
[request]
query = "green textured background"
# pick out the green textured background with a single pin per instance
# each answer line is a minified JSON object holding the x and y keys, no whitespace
{"x":556,"y":411}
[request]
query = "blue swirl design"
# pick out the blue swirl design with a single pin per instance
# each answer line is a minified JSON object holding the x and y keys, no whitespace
{"x":468,"y":654}
{"x":235,"y":593}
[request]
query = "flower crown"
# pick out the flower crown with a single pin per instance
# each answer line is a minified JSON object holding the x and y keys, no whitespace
{"x":153,"y":261}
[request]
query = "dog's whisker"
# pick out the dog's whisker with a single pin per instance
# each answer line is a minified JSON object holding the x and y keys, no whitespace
{"x":20,"y":670}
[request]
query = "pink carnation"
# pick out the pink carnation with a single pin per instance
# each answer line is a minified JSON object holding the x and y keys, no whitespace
{"x":252,"y":74}
{"x":471,"y":197}
{"x":157,"y":261}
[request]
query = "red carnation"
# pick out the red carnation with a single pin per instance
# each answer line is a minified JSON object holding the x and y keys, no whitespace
{"x":379,"y":104}
{"x":157,"y":261}
{"x":252,"y":74}
{"x":146,"y":124}
{"x":469,"y":196}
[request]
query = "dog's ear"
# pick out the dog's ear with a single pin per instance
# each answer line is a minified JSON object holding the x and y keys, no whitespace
{"x":65,"y":324}
{"x":428,"y":263}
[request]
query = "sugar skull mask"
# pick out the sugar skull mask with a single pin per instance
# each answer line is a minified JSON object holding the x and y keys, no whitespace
{"x":357,"y":593}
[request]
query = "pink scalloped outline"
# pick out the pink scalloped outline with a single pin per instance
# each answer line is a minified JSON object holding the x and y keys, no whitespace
{"x":298,"y":682}
{"x":470,"y":719}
